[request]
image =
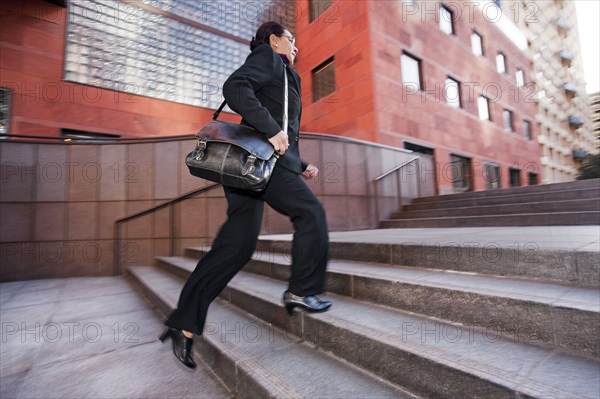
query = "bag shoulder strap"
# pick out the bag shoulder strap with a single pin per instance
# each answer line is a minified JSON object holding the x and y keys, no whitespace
{"x":218,"y":111}
{"x":285,"y":102}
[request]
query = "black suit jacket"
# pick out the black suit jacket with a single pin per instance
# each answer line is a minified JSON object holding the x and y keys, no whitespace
{"x":255,"y":91}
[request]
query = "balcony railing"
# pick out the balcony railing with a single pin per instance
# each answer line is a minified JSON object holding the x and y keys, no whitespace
{"x":570,"y":89}
{"x":575,"y":122}
{"x":566,"y":57}
{"x":562,"y":25}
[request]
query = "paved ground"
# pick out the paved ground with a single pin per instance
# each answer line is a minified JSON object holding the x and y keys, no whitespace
{"x":89,"y":338}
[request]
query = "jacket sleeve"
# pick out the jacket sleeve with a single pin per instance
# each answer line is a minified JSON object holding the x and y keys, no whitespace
{"x":303,"y":164}
{"x":240,"y":87}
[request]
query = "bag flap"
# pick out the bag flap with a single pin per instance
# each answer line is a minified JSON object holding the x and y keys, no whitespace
{"x":245,"y":137}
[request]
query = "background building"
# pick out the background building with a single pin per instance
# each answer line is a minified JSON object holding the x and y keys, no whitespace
{"x":595,"y":109}
{"x":565,"y":130}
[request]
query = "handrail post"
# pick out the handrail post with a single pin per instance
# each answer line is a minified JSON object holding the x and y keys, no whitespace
{"x":377,"y":219}
{"x":419,"y":193}
{"x":117,"y":250}
{"x":172,"y":229}
{"x":399,"y":173}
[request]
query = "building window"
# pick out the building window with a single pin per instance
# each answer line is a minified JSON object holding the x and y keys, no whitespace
{"x":492,"y":176}
{"x":446,"y":20}
{"x":411,"y":71}
{"x":483,"y":105}
{"x":533,"y":179}
{"x":323,"y":78}
{"x":461,"y":173}
{"x":418,"y":148}
{"x":507,"y":116}
{"x":85,"y":135}
{"x":317,"y":7}
{"x":452,"y":92}
{"x":5,"y":96}
{"x":515,"y":177}
{"x":520,"y":77}
{"x":500,"y":63}
{"x":527,"y":128}
{"x":476,"y":43}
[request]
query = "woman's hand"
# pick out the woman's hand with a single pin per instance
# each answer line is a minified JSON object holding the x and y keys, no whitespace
{"x":280,"y":142}
{"x":311,"y":171}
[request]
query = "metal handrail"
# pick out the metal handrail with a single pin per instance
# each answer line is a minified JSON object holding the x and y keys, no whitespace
{"x":90,"y":140}
{"x":395,"y":170}
{"x":171,"y":204}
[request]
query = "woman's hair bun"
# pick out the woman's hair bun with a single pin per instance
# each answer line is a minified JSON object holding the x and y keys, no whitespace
{"x":264,"y":33}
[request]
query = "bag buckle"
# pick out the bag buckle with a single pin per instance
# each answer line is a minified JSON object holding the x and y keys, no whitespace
{"x":249,"y":165}
{"x":200,"y":147}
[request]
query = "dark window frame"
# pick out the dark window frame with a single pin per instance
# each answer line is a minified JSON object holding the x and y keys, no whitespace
{"x":474,"y":32}
{"x":511,"y":120}
{"x":533,"y":178}
{"x":528,"y":129}
{"x":459,"y":84}
{"x":512,"y":173}
{"x":315,"y":10}
{"x":493,"y":184}
{"x":523,"y":77}
{"x":466,"y":182}
{"x":419,"y":68}
{"x":317,"y":86}
{"x":503,"y":62}
{"x":452,"y":27}
{"x":489,"y":108}
{"x":418,"y":148}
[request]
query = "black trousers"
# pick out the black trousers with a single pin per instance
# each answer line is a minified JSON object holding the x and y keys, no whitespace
{"x":288,"y":194}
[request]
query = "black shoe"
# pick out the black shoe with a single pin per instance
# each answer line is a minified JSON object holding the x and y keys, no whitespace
{"x":182,"y":346}
{"x":310,"y":303}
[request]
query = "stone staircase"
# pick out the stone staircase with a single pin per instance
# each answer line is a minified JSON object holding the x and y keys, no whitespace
{"x":405,"y":323}
{"x":562,"y":204}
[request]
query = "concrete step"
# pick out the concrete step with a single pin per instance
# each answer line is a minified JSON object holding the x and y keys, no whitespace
{"x":461,"y":201}
{"x":474,"y":252}
{"x":593,"y":184}
{"x":257,"y":360}
{"x":522,"y":208}
{"x":538,"y":313}
{"x":429,"y":357}
{"x":522,"y":219}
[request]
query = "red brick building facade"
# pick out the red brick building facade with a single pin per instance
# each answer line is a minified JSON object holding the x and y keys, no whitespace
{"x":367,"y":40}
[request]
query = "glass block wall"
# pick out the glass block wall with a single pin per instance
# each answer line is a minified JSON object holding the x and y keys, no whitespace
{"x":175,"y":50}
{"x":5,"y":97}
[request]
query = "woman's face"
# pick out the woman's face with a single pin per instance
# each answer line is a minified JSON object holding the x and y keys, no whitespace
{"x":286,"y":44}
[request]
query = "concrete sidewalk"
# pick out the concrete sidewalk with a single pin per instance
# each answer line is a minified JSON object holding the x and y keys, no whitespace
{"x":89,"y":338}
